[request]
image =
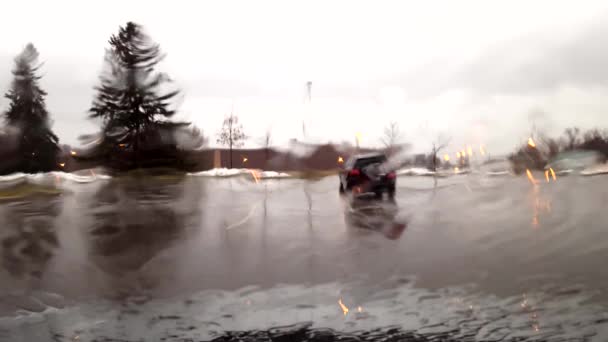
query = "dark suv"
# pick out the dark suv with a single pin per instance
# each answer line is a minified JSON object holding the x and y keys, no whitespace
{"x":368,"y":173}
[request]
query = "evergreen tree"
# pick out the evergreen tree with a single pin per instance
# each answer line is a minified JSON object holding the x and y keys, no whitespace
{"x":132,"y":99}
{"x":37,"y":145}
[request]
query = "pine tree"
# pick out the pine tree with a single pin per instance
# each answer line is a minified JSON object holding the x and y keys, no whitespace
{"x":131,"y":100}
{"x":37,"y":145}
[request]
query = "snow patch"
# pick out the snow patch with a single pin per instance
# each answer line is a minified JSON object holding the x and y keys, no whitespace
{"x":42,"y":177}
{"x":497,"y":173}
{"x":220,"y":172}
{"x":81,"y":178}
{"x":420,"y":171}
{"x":224,"y":172}
{"x":12,"y":177}
{"x":564,"y":172}
{"x":415,"y":171}
{"x":273,"y":174}
{"x":595,"y":170}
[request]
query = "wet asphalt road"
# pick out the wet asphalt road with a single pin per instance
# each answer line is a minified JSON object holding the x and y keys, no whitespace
{"x":467,"y":257}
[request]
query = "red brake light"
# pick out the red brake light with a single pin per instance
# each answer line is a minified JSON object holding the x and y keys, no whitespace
{"x":391,"y":175}
{"x":354,"y":172}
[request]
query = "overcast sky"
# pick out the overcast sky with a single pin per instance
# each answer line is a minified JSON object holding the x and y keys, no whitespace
{"x":479,"y":72}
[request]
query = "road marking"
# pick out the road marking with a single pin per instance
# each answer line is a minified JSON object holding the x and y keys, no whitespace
{"x":245,"y":219}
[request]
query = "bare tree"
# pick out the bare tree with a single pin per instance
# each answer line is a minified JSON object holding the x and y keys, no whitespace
{"x":392,"y":137}
{"x":572,"y":135}
{"x":232,"y":134}
{"x":439,"y":144}
{"x":266,"y":142}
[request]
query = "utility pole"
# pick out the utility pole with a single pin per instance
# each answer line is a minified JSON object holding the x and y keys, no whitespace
{"x":308,"y":101}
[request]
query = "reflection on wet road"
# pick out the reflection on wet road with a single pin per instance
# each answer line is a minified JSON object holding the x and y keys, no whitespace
{"x":472,"y":258}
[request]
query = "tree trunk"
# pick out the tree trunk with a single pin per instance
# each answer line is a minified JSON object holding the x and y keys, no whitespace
{"x":230,"y":138}
{"x":230,"y":155}
{"x":136,"y":146}
{"x":433,"y":158}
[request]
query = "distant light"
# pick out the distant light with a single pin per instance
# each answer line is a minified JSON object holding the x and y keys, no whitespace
{"x":482,"y":150}
{"x":62,"y":164}
{"x":457,"y":155}
{"x":245,"y":159}
{"x":531,"y":143}
{"x":73,"y":153}
{"x":456,"y":169}
{"x":340,"y":160}
{"x":446,"y":157}
{"x":470,"y":151}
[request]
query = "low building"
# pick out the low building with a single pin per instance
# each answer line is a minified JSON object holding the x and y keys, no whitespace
{"x":297,"y":157}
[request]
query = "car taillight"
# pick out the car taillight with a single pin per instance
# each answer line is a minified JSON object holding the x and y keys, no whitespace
{"x":354,"y":172}
{"x":391,"y":175}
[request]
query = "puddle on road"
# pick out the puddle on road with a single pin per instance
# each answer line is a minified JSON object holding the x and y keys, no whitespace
{"x":114,"y":260}
{"x":392,"y":310}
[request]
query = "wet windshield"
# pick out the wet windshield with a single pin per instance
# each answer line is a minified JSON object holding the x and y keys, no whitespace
{"x":317,"y":171}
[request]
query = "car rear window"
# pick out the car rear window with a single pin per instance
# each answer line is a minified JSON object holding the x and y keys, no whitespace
{"x":363,"y":162}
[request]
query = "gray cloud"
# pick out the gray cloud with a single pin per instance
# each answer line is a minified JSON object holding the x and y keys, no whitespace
{"x":534,"y":65}
{"x":526,"y":65}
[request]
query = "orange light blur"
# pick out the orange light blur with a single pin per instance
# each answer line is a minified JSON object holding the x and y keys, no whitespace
{"x":245,"y":159}
{"x":470,"y":151}
{"x":530,"y":177}
{"x":340,"y":160}
{"x":255,"y":175}
{"x":343,"y":307}
{"x":122,"y":145}
{"x":446,"y":157}
{"x":547,"y":175}
{"x":553,"y":174}
{"x":482,"y":151}
{"x":531,"y":143}
{"x":73,"y":153}
{"x":457,"y":155}
{"x":62,"y":164}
